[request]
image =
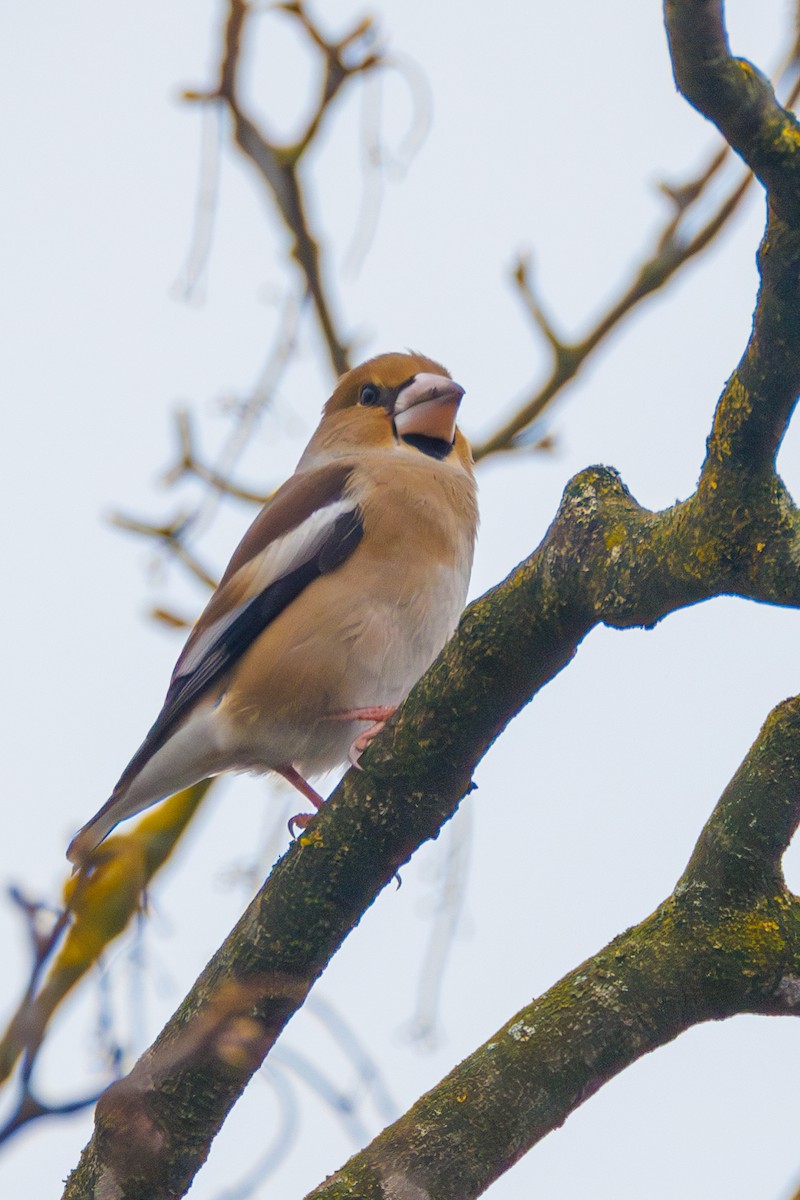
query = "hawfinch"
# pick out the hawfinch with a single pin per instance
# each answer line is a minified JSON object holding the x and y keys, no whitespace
{"x":338,"y":598}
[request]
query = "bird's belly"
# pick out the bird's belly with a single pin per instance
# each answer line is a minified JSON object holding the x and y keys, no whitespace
{"x":324,"y":656}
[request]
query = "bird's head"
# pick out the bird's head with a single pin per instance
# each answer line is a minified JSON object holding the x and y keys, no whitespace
{"x":394,"y":399}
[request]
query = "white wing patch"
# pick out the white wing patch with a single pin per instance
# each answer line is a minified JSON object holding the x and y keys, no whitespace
{"x":280,"y":558}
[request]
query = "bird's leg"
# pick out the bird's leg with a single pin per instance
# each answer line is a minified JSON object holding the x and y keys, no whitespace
{"x":293,"y":776}
{"x":379,"y":714}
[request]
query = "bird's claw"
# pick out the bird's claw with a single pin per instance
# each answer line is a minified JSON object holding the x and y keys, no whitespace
{"x":299,"y":821}
{"x":361,"y":742}
{"x":379,"y":714}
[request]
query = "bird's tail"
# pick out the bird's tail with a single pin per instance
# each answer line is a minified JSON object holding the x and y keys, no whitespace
{"x":155,"y":772}
{"x":89,"y":837}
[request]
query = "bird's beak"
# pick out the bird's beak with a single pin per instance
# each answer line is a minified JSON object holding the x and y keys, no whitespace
{"x":428,"y":405}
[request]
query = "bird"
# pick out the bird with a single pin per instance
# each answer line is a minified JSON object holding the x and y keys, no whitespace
{"x":338,"y":598}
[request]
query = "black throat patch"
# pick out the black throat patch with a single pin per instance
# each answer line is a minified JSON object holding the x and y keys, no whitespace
{"x":433,"y":447}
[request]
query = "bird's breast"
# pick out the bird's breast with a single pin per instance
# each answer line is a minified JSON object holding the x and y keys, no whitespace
{"x":360,"y":636}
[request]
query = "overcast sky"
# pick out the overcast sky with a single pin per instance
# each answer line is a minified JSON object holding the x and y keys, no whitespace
{"x":550,"y":127}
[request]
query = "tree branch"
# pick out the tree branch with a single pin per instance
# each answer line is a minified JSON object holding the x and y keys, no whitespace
{"x":733,"y":94}
{"x":726,"y":941}
{"x":278,"y":165}
{"x":673,"y":250}
{"x":604,"y":559}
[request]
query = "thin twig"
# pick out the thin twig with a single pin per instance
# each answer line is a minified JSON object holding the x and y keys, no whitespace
{"x":671,"y":253}
{"x":169,"y":536}
{"x":278,"y":164}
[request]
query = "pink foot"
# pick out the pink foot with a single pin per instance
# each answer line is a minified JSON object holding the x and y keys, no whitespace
{"x":379,"y":714}
{"x":294,"y":777}
{"x":362,"y":741}
{"x":299,"y":821}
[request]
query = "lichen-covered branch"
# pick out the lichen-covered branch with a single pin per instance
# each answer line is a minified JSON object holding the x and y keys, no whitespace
{"x":740,"y":101}
{"x":604,"y":558}
{"x":729,"y":933}
{"x":726,"y":941}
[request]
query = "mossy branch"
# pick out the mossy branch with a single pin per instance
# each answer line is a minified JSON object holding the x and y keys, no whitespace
{"x":734,"y":94}
{"x":726,"y":941}
{"x":604,"y":559}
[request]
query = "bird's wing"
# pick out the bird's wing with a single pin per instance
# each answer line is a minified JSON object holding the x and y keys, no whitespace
{"x":305,"y":530}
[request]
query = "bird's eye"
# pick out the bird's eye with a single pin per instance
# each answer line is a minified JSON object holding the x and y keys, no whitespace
{"x":370,"y":395}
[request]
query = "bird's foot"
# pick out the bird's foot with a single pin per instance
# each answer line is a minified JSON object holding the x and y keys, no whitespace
{"x":379,"y":714}
{"x":292,"y":776}
{"x":299,"y":822}
{"x":361,"y":742}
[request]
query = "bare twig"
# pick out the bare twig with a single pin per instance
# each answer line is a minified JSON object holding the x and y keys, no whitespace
{"x":278,"y":164}
{"x":29,"y":1108}
{"x":670,"y":254}
{"x":188,"y":463}
{"x":451,"y":888}
{"x":45,"y":927}
{"x":193,"y":271}
{"x":99,"y":906}
{"x":171,"y":537}
{"x":673,"y":250}
{"x":377,"y":160}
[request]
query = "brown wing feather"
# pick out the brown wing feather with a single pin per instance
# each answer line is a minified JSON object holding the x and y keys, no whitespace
{"x":291,"y":504}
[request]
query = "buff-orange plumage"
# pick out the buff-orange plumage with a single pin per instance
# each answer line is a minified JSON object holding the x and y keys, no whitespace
{"x":340,"y":595}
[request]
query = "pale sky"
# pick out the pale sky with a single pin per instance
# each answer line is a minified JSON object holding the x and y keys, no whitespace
{"x":550,"y":128}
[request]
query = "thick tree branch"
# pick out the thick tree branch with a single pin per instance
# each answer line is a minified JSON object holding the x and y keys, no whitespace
{"x":740,"y":101}
{"x":604,"y":559}
{"x":726,"y":941}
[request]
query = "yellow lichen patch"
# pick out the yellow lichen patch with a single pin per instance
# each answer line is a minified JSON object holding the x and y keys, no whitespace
{"x":314,"y":838}
{"x":735,"y":407}
{"x":760,"y":935}
{"x":790,"y":135}
{"x":616,"y":536}
{"x":707,"y":552}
